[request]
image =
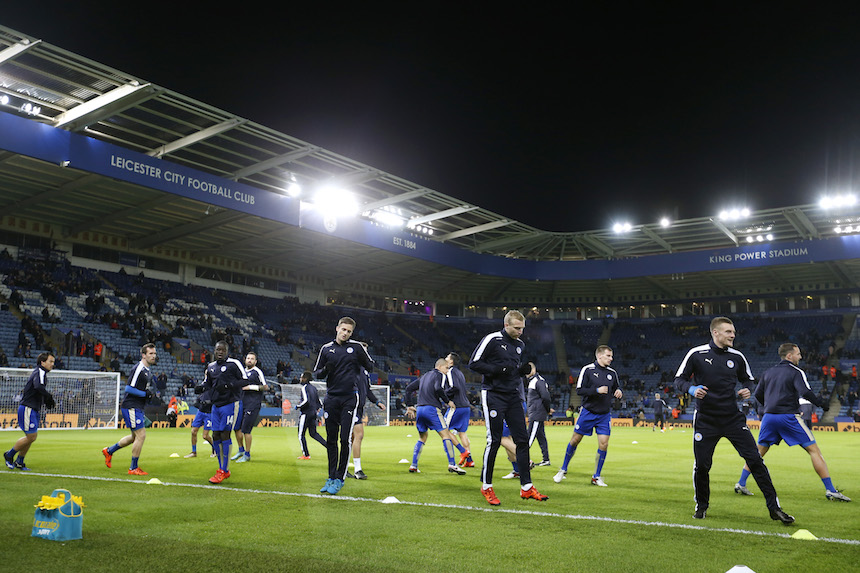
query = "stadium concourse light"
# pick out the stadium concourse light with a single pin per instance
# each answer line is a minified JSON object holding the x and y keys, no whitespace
{"x":838,"y":201}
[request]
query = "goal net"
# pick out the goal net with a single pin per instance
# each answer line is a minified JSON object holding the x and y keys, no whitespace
{"x":291,"y":396}
{"x":83,"y":399}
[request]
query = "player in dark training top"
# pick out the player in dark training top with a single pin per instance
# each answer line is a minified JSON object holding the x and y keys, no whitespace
{"x":224,"y":379}
{"x":711,"y":373}
{"x":35,"y":394}
{"x":252,"y":401}
{"x":780,"y":390}
{"x":137,"y":392}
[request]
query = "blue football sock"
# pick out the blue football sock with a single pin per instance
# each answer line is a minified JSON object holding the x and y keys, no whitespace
{"x":194,"y":448}
{"x":568,"y":454}
{"x":134,"y":463}
{"x":416,"y":453}
{"x":216,"y":448}
{"x":516,"y":467}
{"x":745,"y":473}
{"x":225,"y":454}
{"x":112,"y":449}
{"x":460,"y":448}
{"x":828,"y":485}
{"x":241,"y":450}
{"x":448,"y":446}
{"x":601,"y":457}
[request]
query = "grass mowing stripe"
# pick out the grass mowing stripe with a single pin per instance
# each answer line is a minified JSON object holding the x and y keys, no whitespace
{"x":577,"y":517}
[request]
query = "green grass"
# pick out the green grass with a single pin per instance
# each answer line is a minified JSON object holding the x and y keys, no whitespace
{"x":270,"y":517}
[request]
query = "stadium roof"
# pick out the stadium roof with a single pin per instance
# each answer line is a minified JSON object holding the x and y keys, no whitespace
{"x":50,"y":85}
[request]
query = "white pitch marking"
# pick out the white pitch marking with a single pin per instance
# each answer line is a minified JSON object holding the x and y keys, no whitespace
{"x":448,"y":506}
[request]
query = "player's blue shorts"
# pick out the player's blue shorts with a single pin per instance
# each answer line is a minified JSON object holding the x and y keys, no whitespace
{"x":788,"y":427}
{"x":133,"y":418}
{"x":224,"y":417}
{"x":458,"y":419}
{"x":429,"y":418}
{"x":28,"y":419}
{"x":202,"y":419}
{"x":587,"y":422}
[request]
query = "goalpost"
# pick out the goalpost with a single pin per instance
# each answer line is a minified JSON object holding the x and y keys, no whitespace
{"x":84,"y":399}
{"x":291,"y":396}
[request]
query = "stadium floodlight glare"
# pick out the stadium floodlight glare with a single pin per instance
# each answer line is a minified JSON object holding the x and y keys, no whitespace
{"x":388,"y":218}
{"x":838,"y":201}
{"x":622,"y":227}
{"x":332,"y":201}
{"x":734,"y":214}
{"x":294,"y":189}
{"x":665,"y":222}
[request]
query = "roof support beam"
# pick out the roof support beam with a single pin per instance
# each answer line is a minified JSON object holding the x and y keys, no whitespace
{"x":726,"y":231}
{"x":15,"y":50}
{"x":656,"y":238}
{"x":275,"y":162}
{"x":394,"y":200}
{"x":196,"y":137}
{"x":106,"y":105}
{"x":473,"y":230}
{"x":439,"y":215}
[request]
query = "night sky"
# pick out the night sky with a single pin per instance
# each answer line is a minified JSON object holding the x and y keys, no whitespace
{"x":568,"y":119}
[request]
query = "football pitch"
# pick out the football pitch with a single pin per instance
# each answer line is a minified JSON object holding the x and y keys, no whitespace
{"x":270,"y":516}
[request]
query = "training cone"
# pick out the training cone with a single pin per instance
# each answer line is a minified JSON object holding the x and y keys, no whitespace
{"x":390,"y":499}
{"x":803,"y":534}
{"x":155,"y":481}
{"x":174,"y":455}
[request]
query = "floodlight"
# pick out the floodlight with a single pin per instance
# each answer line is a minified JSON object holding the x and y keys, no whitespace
{"x":665,"y":222}
{"x":838,"y":201}
{"x":622,"y":227}
{"x":336,"y":202}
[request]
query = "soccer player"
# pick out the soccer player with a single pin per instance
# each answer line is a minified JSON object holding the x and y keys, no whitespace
{"x":457,"y":418}
{"x":432,"y":398}
{"x":779,"y":391}
{"x":540,"y":408}
{"x":660,"y":407}
{"x":252,"y":401}
{"x":35,"y":394}
{"x":224,"y":378}
{"x":203,"y":418}
{"x":308,"y":406}
{"x":339,"y":363}
{"x":137,"y":392}
{"x":598,"y":385}
{"x":499,"y":359}
{"x":364,"y":392}
{"x":710,"y":373}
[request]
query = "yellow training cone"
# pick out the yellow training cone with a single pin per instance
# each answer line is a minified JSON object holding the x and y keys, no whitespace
{"x":803,"y":534}
{"x":155,"y":481}
{"x":174,"y":455}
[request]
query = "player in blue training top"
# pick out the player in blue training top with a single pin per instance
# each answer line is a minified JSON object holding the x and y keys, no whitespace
{"x":224,"y":379}
{"x":309,"y":405}
{"x":598,"y":385}
{"x":540,"y":409}
{"x":252,"y":401}
{"x":339,"y":363}
{"x":35,"y":394}
{"x":780,"y":390}
{"x":499,"y":359}
{"x":711,"y":373}
{"x":457,"y":418}
{"x":427,"y":411}
{"x":137,"y":392}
